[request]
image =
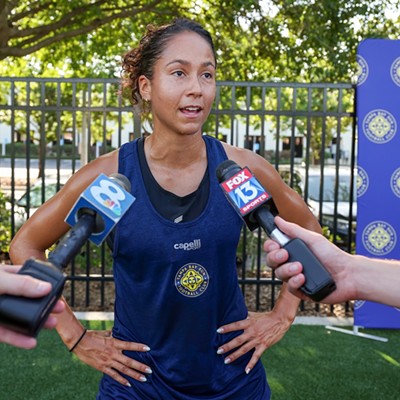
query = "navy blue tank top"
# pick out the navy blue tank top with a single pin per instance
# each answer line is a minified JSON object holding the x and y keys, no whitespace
{"x":175,"y":285}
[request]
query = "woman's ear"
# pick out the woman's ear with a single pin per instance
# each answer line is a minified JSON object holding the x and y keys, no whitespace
{"x":144,"y":86}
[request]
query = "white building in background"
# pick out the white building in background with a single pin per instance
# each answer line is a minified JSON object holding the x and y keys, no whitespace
{"x":254,"y":138}
{"x":238,"y":138}
{"x":5,"y":137}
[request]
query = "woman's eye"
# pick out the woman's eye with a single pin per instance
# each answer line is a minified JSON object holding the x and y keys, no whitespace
{"x":208,"y":75}
{"x":178,"y":73}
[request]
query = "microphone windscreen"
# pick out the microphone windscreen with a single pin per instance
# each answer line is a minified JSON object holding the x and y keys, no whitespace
{"x":121,"y":180}
{"x":226,"y":169}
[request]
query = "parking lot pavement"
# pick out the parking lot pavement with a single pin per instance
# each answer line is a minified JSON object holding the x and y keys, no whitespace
{"x":21,"y":176}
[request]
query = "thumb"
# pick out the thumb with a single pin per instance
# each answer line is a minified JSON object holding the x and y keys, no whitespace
{"x":294,"y":230}
{"x":23,"y":285}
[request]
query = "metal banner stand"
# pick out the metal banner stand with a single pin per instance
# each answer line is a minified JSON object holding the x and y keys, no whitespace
{"x":355,"y":332}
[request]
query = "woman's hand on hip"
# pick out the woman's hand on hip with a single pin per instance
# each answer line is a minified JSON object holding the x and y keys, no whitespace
{"x":260,"y":331}
{"x":105,"y":353}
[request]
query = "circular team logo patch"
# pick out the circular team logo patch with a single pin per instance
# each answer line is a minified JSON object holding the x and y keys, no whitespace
{"x":395,"y":71}
{"x":395,"y":182}
{"x":362,"y":70}
{"x":379,"y":238}
{"x":192,"y":280}
{"x":379,"y":126}
{"x":362,"y":181}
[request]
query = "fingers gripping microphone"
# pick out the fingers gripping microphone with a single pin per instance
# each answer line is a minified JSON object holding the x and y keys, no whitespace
{"x":93,"y":216}
{"x":257,"y":208}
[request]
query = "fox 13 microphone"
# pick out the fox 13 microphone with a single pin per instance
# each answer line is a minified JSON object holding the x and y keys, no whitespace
{"x":255,"y":205}
{"x":93,"y":216}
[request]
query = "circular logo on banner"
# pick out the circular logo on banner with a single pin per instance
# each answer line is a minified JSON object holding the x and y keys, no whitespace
{"x":395,"y":182}
{"x":379,"y":238}
{"x":379,"y":126}
{"x":358,"y":304}
{"x":362,"y":70}
{"x":395,"y":71}
{"x":191,"y":280}
{"x":362,"y":181}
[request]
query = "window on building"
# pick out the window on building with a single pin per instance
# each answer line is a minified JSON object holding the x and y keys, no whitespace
{"x":298,"y":145}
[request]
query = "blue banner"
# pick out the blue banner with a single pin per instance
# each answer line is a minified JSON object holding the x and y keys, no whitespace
{"x":378,"y":180}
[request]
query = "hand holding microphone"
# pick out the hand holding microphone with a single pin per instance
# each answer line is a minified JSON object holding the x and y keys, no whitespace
{"x":94,"y":215}
{"x":256,"y":207}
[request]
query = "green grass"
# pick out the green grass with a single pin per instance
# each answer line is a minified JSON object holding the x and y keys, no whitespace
{"x":309,"y":363}
{"x":313,"y":363}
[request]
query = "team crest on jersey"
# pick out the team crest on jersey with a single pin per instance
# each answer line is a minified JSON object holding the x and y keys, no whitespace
{"x":395,"y":71}
{"x":362,"y":181}
{"x":362,"y":70}
{"x":379,"y":126}
{"x":395,"y":182}
{"x":379,"y":238}
{"x":192,"y":280}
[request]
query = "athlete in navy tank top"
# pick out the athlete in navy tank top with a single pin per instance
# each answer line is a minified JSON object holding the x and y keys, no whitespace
{"x":175,"y":285}
{"x":175,"y":276}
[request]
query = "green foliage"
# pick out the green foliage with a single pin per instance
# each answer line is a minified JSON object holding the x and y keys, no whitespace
{"x":98,"y":257}
{"x":59,"y":120}
{"x":5,"y":224}
{"x":291,"y":40}
{"x":285,"y":40}
{"x":68,"y":151}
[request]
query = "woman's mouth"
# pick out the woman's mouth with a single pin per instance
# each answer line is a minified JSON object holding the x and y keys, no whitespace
{"x":191,"y":110}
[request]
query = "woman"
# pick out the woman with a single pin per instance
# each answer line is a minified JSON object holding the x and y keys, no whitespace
{"x":181,"y":329}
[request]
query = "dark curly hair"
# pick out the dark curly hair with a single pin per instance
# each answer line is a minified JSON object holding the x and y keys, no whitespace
{"x":140,"y":60}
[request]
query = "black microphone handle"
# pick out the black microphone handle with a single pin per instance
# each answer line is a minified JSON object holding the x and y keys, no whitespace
{"x":264,"y":218}
{"x":319,"y":282}
{"x":73,"y":241}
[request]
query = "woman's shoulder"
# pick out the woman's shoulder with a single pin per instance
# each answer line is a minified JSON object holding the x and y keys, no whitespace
{"x":106,"y":164}
{"x":245,"y":157}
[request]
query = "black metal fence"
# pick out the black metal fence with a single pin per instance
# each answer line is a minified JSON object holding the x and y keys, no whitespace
{"x":50,"y":127}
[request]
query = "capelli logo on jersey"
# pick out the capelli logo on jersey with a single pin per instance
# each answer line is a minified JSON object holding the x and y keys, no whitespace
{"x":195,"y":245}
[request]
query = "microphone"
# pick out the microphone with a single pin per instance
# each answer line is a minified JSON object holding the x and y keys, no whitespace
{"x":93,"y":216}
{"x":255,"y":205}
{"x":109,"y":198}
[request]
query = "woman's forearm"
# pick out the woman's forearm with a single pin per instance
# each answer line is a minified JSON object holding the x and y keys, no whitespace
{"x":68,"y":326}
{"x":287,"y":304}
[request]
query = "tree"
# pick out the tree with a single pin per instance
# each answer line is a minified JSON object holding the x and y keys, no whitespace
{"x":285,"y":40}
{"x":292,"y":40}
{"x":27,"y":27}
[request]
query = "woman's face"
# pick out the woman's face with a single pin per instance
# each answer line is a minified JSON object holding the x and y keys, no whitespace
{"x":182,"y":89}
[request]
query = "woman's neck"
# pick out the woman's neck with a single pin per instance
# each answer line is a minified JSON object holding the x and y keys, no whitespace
{"x":177,"y":165}
{"x":175,"y":152}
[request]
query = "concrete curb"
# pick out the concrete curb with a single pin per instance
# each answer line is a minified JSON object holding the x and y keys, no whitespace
{"x":337,"y":321}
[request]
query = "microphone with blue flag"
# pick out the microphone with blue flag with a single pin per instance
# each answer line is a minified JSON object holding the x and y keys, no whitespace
{"x":93,"y":216}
